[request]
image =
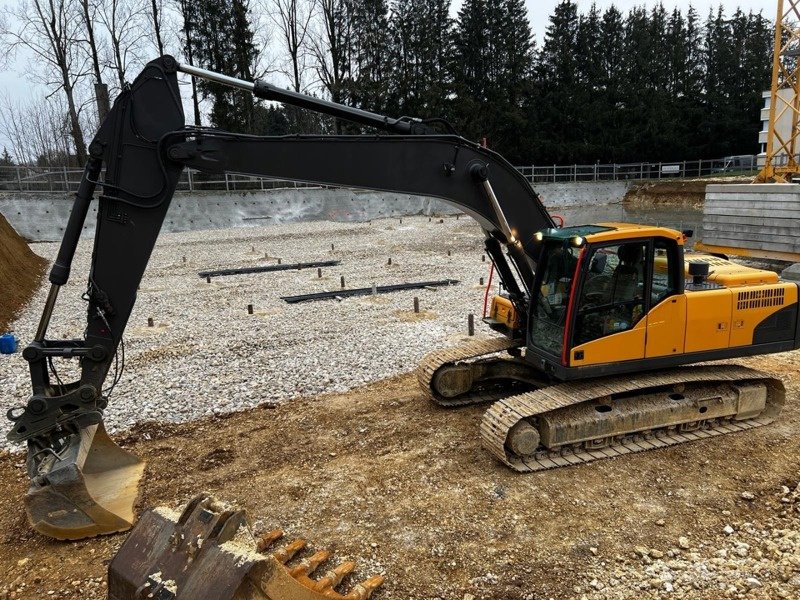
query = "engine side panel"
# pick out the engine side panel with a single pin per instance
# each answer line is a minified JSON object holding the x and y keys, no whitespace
{"x":765,"y":313}
{"x":708,"y":320}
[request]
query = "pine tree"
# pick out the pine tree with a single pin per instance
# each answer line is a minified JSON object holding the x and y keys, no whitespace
{"x":368,"y":85}
{"x":223,"y":42}
{"x":559,"y":72}
{"x":611,"y":86}
{"x":491,"y":74}
{"x":420,"y":44}
{"x":5,"y":159}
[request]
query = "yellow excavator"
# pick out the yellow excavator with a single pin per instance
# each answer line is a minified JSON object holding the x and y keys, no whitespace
{"x":596,"y":323}
{"x":594,"y":368}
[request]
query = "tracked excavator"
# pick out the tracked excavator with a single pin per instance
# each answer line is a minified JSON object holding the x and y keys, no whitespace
{"x":597,"y":323}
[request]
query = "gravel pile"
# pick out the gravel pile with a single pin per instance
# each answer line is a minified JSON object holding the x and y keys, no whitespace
{"x":758,"y":559}
{"x":206,"y":355}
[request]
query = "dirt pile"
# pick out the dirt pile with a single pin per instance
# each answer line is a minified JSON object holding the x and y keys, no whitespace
{"x":688,"y":192}
{"x":20,"y":273}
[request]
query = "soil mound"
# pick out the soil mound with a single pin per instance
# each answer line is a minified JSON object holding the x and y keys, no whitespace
{"x":682,"y":192}
{"x":20,"y":273}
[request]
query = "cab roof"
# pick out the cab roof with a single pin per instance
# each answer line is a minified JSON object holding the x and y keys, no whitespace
{"x":608,"y":232}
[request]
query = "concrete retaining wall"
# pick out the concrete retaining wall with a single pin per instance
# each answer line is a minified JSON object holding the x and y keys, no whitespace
{"x":42,"y":216}
{"x":758,"y":217}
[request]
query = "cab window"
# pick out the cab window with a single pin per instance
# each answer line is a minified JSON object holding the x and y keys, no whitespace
{"x":612,"y":297}
{"x":549,"y":311}
{"x":664,"y":271}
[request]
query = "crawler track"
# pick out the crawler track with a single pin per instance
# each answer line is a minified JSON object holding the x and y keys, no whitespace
{"x":506,"y":413}
{"x":470,"y":352}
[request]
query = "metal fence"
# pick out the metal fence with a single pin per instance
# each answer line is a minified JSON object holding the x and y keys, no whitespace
{"x":738,"y":165}
{"x":66,"y":179}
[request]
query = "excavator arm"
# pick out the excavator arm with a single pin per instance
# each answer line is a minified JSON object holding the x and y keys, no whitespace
{"x":82,"y":484}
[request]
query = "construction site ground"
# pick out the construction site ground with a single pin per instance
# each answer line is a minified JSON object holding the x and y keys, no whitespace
{"x":376,"y":474}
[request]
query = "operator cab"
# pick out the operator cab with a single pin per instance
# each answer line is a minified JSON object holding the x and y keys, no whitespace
{"x":595,"y":281}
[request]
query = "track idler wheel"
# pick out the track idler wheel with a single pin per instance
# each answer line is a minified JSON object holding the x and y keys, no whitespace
{"x":208,"y":551}
{"x":523,"y":439}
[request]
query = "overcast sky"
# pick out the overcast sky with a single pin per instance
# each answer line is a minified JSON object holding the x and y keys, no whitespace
{"x":538,"y":12}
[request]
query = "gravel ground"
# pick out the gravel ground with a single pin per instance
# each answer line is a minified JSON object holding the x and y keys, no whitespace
{"x":377,"y":473}
{"x":759,"y":558}
{"x":206,"y":355}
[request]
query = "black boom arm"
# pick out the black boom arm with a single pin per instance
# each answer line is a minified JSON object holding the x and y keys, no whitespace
{"x":143,"y":146}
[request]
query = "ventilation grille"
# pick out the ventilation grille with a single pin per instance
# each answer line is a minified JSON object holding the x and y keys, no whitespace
{"x":760,"y":298}
{"x":715,"y":261}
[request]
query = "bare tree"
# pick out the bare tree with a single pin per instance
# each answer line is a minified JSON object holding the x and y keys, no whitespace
{"x":88,"y":11}
{"x":38,"y":129}
{"x":330,"y":42}
{"x":123,"y":21}
{"x":293,"y":19}
{"x":188,"y":11}
{"x":156,"y":15}
{"x":50,"y":31}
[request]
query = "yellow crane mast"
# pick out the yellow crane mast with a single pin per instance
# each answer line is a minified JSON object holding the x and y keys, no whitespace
{"x":781,"y":160}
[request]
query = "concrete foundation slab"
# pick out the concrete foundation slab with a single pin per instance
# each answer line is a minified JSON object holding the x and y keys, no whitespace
{"x":756,"y":220}
{"x":791,"y":273}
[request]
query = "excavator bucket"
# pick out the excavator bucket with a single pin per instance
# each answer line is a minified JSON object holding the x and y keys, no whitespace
{"x":208,"y":551}
{"x":87,"y":489}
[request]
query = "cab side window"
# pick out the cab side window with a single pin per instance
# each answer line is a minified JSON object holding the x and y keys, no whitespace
{"x":664,"y":276}
{"x":612,"y":297}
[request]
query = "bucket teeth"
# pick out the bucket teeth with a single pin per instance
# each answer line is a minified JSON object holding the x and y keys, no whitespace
{"x":285,"y":554}
{"x":162,"y":555}
{"x":334,"y":577}
{"x":308,"y":565}
{"x":364,"y":590}
{"x":268,"y":539}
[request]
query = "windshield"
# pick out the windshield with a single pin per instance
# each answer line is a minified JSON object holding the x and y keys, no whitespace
{"x":549,"y":312}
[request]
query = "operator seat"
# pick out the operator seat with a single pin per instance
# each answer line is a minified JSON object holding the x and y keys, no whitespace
{"x":628,"y":274}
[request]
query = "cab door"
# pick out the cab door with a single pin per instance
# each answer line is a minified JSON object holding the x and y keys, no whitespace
{"x":666,"y":320}
{"x":610,"y":314}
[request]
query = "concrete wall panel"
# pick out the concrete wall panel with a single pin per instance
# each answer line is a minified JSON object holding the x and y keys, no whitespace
{"x":42,"y":216}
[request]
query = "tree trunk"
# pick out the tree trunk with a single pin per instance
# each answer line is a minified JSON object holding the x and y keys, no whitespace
{"x":75,"y":124}
{"x":157,"y":28}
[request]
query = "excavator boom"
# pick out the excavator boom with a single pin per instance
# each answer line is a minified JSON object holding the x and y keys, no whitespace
{"x":82,"y":484}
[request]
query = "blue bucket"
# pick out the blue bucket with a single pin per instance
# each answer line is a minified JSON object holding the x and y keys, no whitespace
{"x":8,"y":343}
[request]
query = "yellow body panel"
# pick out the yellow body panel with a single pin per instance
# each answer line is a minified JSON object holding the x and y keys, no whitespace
{"x":503,"y":311}
{"x":727,"y":273}
{"x":666,"y":327}
{"x":625,"y":345}
{"x":708,"y":320}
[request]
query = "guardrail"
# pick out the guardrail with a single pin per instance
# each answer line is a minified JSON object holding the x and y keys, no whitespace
{"x":740,"y":165}
{"x":66,"y":179}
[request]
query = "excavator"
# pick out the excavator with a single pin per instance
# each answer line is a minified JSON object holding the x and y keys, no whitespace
{"x":599,"y":325}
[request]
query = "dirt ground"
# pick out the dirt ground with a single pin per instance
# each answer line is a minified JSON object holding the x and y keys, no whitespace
{"x":404,"y":488}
